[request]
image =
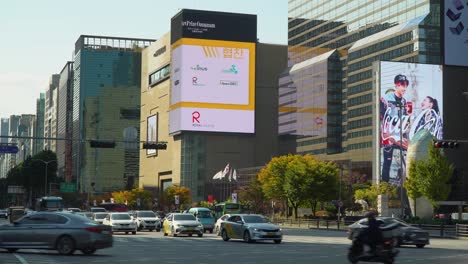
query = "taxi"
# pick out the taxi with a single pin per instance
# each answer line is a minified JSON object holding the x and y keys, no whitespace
{"x":177,"y":224}
{"x":250,"y":228}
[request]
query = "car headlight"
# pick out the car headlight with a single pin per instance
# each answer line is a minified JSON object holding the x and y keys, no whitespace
{"x":200,"y":226}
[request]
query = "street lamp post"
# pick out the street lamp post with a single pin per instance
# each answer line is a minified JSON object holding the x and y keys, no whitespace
{"x":46,"y":165}
{"x":339,"y":194}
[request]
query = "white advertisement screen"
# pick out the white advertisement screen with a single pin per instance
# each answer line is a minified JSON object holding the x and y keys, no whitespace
{"x":212,"y":88}
{"x":417,"y":88}
{"x":456,"y":32}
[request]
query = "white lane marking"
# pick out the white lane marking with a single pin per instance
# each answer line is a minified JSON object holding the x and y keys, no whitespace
{"x":21,"y":259}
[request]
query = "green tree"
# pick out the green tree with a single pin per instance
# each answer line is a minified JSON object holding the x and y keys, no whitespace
{"x":168,"y":197}
{"x":253,"y":196}
{"x":430,"y":178}
{"x":371,"y":193}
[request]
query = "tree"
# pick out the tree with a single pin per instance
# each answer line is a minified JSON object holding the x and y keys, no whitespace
{"x":371,"y":193}
{"x":168,"y":197}
{"x":430,"y":178}
{"x":253,"y":196}
{"x":131,"y":197}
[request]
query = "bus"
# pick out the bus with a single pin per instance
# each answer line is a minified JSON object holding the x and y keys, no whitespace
{"x":226,"y":208}
{"x":49,"y":203}
{"x":114,"y":207}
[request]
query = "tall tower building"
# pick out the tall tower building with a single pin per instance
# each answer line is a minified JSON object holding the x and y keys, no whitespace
{"x":65,"y":123}
{"x":4,"y":128}
{"x":38,"y":144}
{"x":50,"y":118}
{"x":326,"y":97}
{"x":106,"y":106}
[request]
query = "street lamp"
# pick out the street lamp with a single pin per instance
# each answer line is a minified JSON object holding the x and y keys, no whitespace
{"x":339,"y":194}
{"x":46,"y":165}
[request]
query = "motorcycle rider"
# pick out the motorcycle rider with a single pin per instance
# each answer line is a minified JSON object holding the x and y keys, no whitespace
{"x":372,"y":236}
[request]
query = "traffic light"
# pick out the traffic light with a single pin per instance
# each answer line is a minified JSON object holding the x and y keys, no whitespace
{"x":446,"y":144}
{"x":154,"y":145}
{"x":102,"y":144}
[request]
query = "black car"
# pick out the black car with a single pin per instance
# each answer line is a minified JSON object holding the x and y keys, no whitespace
{"x":405,"y":233}
{"x":3,"y":213}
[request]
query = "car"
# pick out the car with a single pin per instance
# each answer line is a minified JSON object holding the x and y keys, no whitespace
{"x":405,"y":234}
{"x":250,"y":228}
{"x":97,"y":210}
{"x":121,"y":222}
{"x":4,"y":213}
{"x":217,"y":227}
{"x":74,"y":210}
{"x":205,"y":216}
{"x":180,"y":223}
{"x":99,"y":217}
{"x":88,"y":215}
{"x":147,"y":220}
{"x":61,"y":231}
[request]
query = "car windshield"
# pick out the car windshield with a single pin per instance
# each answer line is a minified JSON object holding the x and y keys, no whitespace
{"x":255,"y":219}
{"x":98,"y":210}
{"x":204,"y":214}
{"x":184,"y":217}
{"x":120,"y":217}
{"x":146,"y":214}
{"x":100,"y":216}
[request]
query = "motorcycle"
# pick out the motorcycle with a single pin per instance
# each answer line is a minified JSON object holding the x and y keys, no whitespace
{"x":385,"y":253}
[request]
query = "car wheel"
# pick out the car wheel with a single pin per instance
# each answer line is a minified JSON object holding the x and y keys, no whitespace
{"x":247,"y":237}
{"x":126,"y":233}
{"x":12,"y":250}
{"x":134,"y":233}
{"x":88,"y":251}
{"x":224,"y":235}
{"x":139,"y":228}
{"x":65,"y":245}
{"x":278,"y":241}
{"x":151,"y":229}
{"x":200,"y":235}
{"x":189,"y":235}
{"x":158,"y":230}
{"x":420,"y":245}
{"x":211,"y":231}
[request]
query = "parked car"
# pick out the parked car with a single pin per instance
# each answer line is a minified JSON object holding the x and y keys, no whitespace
{"x":222,"y":219}
{"x":179,"y":223}
{"x":60,"y":231}
{"x":3,"y":213}
{"x":147,"y":220}
{"x":121,"y":222}
{"x":99,"y":217}
{"x":405,"y":233}
{"x":250,"y":228}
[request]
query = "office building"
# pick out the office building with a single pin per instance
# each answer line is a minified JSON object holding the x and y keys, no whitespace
{"x":230,"y":124}
{"x":326,"y":93}
{"x":25,"y":133}
{"x":38,"y":145}
{"x":106,"y":106}
{"x":50,"y":117}
{"x":4,"y":127}
{"x":65,"y":123}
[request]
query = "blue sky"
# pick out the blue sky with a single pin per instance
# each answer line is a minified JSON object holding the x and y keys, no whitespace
{"x":38,"y":37}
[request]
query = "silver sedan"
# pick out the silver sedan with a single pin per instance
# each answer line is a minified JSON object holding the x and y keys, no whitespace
{"x":250,"y":228}
{"x":62,"y":231}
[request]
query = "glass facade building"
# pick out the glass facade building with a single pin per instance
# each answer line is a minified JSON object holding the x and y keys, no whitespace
{"x":358,"y":33}
{"x":106,"y":106}
{"x":39,"y":126}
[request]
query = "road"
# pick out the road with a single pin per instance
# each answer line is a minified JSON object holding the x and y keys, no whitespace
{"x":300,"y":246}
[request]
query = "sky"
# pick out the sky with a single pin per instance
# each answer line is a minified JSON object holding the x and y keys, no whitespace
{"x":37,"y":38}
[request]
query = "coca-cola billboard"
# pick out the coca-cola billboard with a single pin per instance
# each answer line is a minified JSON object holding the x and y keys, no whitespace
{"x":409,"y":102}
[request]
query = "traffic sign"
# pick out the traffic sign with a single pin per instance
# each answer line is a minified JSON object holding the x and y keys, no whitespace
{"x":67,"y":187}
{"x":8,"y":149}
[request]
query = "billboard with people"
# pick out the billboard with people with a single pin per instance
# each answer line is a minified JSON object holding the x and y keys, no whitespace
{"x":409,"y":102}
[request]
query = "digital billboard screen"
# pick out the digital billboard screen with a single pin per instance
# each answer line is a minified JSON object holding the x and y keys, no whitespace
{"x":456,"y":32}
{"x":212,"y":86}
{"x":417,"y":88}
{"x":152,"y":132}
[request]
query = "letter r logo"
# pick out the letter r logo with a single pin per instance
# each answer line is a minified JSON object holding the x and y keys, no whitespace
{"x":195,"y":116}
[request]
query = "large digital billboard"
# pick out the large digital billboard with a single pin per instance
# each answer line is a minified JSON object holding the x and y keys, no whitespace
{"x":212,"y":86}
{"x":409,"y":94}
{"x":456,"y":32}
{"x":152,"y":132}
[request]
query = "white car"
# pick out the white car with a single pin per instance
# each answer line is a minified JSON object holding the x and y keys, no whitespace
{"x":147,"y":220}
{"x":99,"y":217}
{"x":121,"y":222}
{"x":217,"y":228}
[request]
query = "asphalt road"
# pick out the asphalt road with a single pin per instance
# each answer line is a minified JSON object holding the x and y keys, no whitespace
{"x":300,"y":246}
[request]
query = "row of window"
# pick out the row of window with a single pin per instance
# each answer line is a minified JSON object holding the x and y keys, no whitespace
{"x":360,"y":123}
{"x":360,"y":111}
{"x":159,"y":75}
{"x":359,"y":134}
{"x":362,"y":145}
{"x":311,"y":142}
{"x":313,"y":152}
{"x":360,"y":88}
{"x":367,"y":98}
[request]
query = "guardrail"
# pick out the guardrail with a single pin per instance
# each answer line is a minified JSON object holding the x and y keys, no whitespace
{"x":444,"y":231}
{"x":462,"y":230}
